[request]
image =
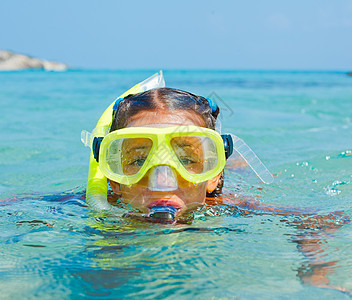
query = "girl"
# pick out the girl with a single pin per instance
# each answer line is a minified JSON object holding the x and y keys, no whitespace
{"x":163,"y":155}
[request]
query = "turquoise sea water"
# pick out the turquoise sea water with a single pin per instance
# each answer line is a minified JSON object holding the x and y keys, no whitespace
{"x":53,"y":246}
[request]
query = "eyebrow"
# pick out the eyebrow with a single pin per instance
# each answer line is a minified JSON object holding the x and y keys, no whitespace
{"x":184,"y":145}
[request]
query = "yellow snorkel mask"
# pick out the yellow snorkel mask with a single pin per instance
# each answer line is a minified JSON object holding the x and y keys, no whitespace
{"x":196,"y":153}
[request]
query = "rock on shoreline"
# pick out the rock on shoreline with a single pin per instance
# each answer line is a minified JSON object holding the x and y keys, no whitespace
{"x":10,"y":61}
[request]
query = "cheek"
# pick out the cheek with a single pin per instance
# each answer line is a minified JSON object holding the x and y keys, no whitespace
{"x":195,"y":193}
{"x":136,"y":188}
{"x":133,"y":193}
{"x":192,"y":192}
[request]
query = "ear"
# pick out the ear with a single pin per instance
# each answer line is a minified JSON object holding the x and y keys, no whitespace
{"x":213,"y":183}
{"x":115,"y":187}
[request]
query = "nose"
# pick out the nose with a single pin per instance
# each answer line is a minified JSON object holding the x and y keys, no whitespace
{"x":162,"y":178}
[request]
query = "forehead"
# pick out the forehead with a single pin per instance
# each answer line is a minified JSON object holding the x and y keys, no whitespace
{"x":174,"y":117}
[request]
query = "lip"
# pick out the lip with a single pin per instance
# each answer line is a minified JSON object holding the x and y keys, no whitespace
{"x":166,"y":202}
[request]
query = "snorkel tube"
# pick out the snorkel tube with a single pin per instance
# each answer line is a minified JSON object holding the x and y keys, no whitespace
{"x":97,"y":186}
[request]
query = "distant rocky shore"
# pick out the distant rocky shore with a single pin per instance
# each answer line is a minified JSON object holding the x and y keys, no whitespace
{"x":10,"y":61}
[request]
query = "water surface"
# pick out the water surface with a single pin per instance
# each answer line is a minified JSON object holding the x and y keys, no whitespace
{"x":53,"y":246}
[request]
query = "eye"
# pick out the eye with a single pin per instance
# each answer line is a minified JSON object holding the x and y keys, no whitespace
{"x":186,"y":161}
{"x":138,"y":162}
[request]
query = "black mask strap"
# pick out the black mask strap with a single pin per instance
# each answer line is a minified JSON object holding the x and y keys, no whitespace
{"x":96,"y":146}
{"x":228,"y":144}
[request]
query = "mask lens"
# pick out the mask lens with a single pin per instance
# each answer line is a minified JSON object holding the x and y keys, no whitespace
{"x":196,"y":154}
{"x":127,"y":156}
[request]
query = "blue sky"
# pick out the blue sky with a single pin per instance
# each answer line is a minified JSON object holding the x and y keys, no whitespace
{"x":271,"y":34}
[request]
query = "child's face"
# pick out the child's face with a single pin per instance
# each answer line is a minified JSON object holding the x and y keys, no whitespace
{"x":188,"y":195}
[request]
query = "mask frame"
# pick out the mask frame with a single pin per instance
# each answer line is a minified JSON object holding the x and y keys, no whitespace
{"x":161,"y":151}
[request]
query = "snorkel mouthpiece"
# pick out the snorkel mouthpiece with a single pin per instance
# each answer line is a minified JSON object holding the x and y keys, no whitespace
{"x":163,"y":214}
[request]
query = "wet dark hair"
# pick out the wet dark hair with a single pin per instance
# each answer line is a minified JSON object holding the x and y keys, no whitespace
{"x":163,"y":99}
{"x":166,"y":99}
